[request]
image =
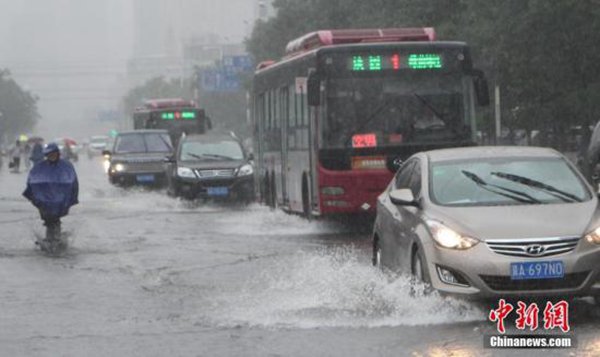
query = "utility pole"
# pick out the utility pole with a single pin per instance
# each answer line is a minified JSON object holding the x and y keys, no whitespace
{"x":497,"y":114}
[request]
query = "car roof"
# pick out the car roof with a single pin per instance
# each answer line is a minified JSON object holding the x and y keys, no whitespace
{"x":210,"y":138}
{"x":143,"y":131}
{"x":478,"y":152}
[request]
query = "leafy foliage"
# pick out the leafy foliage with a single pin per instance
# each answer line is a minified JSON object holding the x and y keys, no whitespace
{"x":18,"y":108}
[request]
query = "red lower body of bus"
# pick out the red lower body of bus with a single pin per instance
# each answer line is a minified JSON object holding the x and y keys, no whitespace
{"x":351,"y":191}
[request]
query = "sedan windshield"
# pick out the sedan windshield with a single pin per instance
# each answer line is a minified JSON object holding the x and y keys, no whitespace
{"x":505,"y":182}
{"x":218,"y":150}
{"x":143,"y":143}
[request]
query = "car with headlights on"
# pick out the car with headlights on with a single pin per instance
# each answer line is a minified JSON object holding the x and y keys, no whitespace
{"x":211,"y":166}
{"x":96,"y":145}
{"x":491,"y":221}
{"x":137,"y":157}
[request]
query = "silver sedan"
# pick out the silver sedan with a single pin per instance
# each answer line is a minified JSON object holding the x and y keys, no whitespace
{"x":491,"y":221}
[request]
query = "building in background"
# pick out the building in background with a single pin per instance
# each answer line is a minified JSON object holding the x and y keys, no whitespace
{"x":172,"y":37}
{"x":71,"y":54}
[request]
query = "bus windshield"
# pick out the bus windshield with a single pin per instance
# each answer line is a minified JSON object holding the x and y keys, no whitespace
{"x":396,"y":110}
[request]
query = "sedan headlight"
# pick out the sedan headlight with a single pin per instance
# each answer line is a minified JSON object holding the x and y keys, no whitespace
{"x":185,"y":172}
{"x":448,"y":238}
{"x":245,"y":170}
{"x":593,"y":236}
{"x":119,"y":167}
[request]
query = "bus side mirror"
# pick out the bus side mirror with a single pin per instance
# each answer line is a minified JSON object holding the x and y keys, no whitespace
{"x":313,"y":87}
{"x":482,"y":90}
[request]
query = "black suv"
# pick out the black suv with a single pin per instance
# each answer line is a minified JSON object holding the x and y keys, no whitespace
{"x":137,"y":157}
{"x":211,"y":166}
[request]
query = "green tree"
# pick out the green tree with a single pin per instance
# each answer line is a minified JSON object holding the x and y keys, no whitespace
{"x":18,"y":107}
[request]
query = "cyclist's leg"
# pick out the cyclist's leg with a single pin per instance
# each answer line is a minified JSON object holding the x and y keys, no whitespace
{"x":52,"y":224}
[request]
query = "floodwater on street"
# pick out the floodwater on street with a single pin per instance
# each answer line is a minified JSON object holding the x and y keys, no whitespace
{"x":147,"y":274}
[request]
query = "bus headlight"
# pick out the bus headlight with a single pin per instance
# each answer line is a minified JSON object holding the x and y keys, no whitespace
{"x":185,"y":172}
{"x":245,"y":170}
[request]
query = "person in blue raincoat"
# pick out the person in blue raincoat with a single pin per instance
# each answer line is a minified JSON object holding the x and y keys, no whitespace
{"x":52,"y":187}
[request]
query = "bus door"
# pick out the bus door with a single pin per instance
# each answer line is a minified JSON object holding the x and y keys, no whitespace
{"x":315,"y":114}
{"x":283,"y":101}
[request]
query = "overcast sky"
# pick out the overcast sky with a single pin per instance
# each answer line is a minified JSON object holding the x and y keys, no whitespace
{"x":73,"y":53}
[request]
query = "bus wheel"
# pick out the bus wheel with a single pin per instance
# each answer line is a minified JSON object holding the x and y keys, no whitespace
{"x":306,"y":211}
{"x":264,"y":194}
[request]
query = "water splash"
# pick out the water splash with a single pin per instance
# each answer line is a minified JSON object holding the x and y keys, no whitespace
{"x":333,"y":288}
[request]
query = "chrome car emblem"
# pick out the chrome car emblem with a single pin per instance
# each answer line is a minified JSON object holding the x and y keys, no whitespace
{"x":535,"y":249}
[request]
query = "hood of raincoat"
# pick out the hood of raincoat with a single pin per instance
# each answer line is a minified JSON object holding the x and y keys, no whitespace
{"x":53,"y":187}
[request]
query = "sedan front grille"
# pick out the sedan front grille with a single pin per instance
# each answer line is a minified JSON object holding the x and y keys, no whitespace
{"x":505,"y":283}
{"x":147,"y":166}
{"x":537,"y":247}
{"x":215,"y":173}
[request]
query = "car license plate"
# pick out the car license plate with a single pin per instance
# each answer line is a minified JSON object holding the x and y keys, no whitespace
{"x":144,"y":178}
{"x":537,"y":270}
{"x":217,"y":191}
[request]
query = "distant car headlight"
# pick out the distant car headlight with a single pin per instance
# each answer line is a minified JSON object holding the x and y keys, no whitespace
{"x":185,"y":172}
{"x":245,"y":170}
{"x":593,"y":236}
{"x":448,"y":238}
{"x":119,"y":167}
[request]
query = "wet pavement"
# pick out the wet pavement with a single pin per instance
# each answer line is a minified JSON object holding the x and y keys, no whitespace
{"x":150,"y":275}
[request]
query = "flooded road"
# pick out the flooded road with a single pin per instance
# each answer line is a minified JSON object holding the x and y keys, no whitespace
{"x":146,"y":274}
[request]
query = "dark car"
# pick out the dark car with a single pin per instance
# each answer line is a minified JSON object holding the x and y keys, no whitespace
{"x":137,"y":157}
{"x":211,"y":166}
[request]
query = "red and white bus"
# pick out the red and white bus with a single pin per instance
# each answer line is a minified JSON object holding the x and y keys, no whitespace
{"x":337,"y":115}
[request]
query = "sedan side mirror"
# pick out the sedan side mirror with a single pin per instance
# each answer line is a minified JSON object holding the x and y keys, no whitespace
{"x":169,"y":159}
{"x":403,"y":197}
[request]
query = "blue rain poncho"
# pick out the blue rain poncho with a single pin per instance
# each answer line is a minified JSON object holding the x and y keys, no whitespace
{"x":52,"y":187}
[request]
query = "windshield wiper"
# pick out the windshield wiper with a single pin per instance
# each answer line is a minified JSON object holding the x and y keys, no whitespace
{"x":512,"y":194}
{"x":551,"y":190}
{"x":195,"y":156}
{"x":369,"y":119}
{"x":438,"y":115}
{"x":216,"y":156}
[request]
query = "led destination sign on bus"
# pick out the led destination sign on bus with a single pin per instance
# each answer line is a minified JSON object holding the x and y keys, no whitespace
{"x":395,"y":62}
{"x":178,"y":115}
